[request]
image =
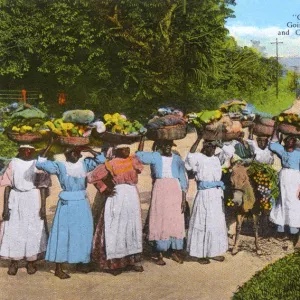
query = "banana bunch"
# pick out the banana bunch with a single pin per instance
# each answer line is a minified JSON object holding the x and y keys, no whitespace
{"x":204,"y":117}
{"x":22,"y":126}
{"x":117,"y":123}
{"x":59,"y":127}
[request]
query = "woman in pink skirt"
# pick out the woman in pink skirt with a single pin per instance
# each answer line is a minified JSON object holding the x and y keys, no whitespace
{"x":166,"y":218}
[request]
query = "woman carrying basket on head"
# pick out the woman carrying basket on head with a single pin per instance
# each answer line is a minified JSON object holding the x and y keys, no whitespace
{"x":71,"y":234}
{"x":286,"y":212}
{"x":24,"y":228}
{"x":207,"y":235}
{"x":166,"y":218}
{"x":118,"y":238}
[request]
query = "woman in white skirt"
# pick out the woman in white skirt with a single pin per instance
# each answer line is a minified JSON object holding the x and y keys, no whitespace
{"x":207,"y":235}
{"x":286,"y":211}
{"x":118,"y":238}
{"x":23,"y":230}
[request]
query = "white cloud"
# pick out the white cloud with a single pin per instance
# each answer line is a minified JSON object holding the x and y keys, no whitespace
{"x":238,"y":31}
{"x":290,"y":46}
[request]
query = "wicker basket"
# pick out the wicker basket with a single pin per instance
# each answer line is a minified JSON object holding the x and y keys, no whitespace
{"x":266,"y":121}
{"x":263,"y":130}
{"x":288,"y":129}
{"x":117,"y":138}
{"x":224,"y":136}
{"x":246,"y":123}
{"x":24,"y":138}
{"x":175,"y":132}
{"x":73,"y":140}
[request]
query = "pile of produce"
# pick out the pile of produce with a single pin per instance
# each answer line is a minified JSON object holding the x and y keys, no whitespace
{"x":289,"y":118}
{"x":166,"y":117}
{"x":26,"y":121}
{"x":22,"y":126}
{"x":289,"y":123}
{"x":61,"y":128}
{"x":215,"y":121}
{"x":117,"y":123}
{"x":265,"y":179}
{"x":204,"y":118}
{"x":234,"y":108}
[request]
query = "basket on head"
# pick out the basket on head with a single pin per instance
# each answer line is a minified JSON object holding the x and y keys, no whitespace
{"x":174,"y":132}
{"x":73,"y":140}
{"x":263,"y":130}
{"x":117,"y":138}
{"x":221,"y":135}
{"x":24,"y":138}
{"x":288,"y":129}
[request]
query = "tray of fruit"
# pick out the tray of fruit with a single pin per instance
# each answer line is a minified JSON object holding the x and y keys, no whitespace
{"x":119,"y":130}
{"x":68,"y":133}
{"x":26,"y":130}
{"x":289,"y":123}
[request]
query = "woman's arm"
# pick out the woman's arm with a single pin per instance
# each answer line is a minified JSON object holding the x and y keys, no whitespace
{"x":43,"y":193}
{"x":141,"y":144}
{"x":6,"y":213}
{"x":274,"y":137}
{"x":48,"y":166}
{"x":196,"y":144}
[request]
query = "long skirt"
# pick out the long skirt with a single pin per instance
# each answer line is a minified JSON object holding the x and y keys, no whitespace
{"x":24,"y":235}
{"x":71,"y":236}
{"x":207,"y":236}
{"x":287,"y":209}
{"x":166,"y":221}
{"x":118,"y":237}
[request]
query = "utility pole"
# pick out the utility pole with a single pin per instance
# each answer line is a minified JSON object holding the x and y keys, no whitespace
{"x":277,"y":73}
{"x":295,"y":78}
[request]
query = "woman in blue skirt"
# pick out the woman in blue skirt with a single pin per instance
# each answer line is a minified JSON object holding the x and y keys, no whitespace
{"x":71,"y":236}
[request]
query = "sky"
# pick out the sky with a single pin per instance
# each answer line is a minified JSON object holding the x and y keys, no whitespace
{"x":262,"y":20}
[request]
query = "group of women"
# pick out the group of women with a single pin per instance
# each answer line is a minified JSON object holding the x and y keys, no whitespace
{"x":117,"y":242}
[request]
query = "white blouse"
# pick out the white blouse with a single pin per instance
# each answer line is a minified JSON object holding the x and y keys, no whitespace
{"x":167,"y":167}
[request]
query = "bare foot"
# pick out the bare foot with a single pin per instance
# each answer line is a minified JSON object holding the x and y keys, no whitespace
{"x":138,"y":268}
{"x":203,"y":261}
{"x":218,"y":258}
{"x":161,"y":262}
{"x":83,"y":268}
{"x":13,"y":268}
{"x":114,"y":272}
{"x":176,"y":258}
{"x":61,"y":274}
{"x":234,"y":251}
{"x":31,"y":268}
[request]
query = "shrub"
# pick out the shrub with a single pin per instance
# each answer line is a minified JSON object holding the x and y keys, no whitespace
{"x":277,"y":281}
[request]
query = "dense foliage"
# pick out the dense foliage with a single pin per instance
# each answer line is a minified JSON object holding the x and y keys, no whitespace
{"x":133,"y":55}
{"x":277,"y":281}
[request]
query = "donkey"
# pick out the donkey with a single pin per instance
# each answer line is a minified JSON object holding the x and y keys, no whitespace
{"x":244,"y":200}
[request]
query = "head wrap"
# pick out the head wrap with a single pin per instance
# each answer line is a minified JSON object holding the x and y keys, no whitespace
{"x":122,"y":146}
{"x":26,"y":146}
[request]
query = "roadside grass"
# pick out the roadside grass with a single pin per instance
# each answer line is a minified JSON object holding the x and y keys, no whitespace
{"x":277,"y":281}
{"x":266,"y":101}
